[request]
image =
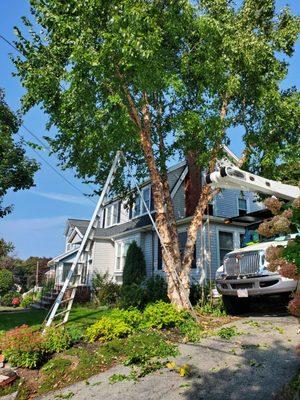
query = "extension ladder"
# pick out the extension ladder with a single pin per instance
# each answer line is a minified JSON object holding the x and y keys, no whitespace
{"x":62,"y":306}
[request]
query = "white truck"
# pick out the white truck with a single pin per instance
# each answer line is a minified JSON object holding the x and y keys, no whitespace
{"x":244,"y":272}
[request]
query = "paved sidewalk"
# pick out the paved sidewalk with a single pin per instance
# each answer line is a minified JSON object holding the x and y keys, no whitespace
{"x":252,"y":365}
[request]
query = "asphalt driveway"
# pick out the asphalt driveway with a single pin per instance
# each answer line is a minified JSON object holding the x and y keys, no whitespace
{"x":252,"y":365}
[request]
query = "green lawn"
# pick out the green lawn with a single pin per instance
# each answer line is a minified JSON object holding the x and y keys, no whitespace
{"x":80,"y":317}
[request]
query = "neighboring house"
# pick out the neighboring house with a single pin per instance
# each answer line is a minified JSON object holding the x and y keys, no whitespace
{"x":119,"y":225}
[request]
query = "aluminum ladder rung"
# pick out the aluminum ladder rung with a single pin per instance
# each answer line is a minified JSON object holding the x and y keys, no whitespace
{"x":82,"y":250}
{"x":60,"y":313}
{"x":66,"y":300}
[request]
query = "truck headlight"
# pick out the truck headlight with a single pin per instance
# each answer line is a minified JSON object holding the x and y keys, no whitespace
{"x":220,"y":272}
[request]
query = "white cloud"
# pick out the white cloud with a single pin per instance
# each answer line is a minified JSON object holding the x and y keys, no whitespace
{"x":66,"y":198}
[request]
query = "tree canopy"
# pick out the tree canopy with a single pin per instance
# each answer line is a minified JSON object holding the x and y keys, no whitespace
{"x":158,"y":79}
{"x":16,"y":169}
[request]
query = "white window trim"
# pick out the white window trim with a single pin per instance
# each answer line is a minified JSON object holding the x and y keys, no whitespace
{"x":111,"y":206}
{"x":122,"y":242}
{"x":236,"y":239}
{"x":142,"y":203}
{"x":238,"y":206}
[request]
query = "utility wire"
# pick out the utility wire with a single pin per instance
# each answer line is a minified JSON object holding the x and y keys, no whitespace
{"x":41,"y":142}
{"x":58,"y":173}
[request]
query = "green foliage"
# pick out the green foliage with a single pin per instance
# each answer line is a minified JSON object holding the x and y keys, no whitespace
{"x":23,"y":347}
{"x":56,"y":340}
{"x":5,"y":248}
{"x":292,"y":252}
{"x":240,"y":64}
{"x":27,"y":300}
{"x":215,"y":309}
{"x":227,"y":332}
{"x":75,"y":333}
{"x":105,"y":291}
{"x":132,"y":296}
{"x":6,"y":281}
{"x":117,"y":323}
{"x":155,"y":289}
{"x":149,"y":291}
{"x":7,"y":299}
{"x":162,"y":315}
{"x":191,"y":330}
{"x":107,"y":329}
{"x":135,"y":265}
{"x":16,"y":170}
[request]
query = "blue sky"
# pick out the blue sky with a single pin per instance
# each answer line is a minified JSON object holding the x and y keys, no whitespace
{"x":37,"y":223}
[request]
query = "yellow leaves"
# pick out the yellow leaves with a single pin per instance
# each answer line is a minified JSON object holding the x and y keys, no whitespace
{"x":183,"y":370}
{"x":171,"y":365}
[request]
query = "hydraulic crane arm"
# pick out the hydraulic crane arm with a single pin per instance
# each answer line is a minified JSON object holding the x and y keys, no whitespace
{"x":235,"y":178}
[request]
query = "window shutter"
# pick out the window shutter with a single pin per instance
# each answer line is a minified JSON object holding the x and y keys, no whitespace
{"x":130,"y":211}
{"x":159,"y":255}
{"x":103,"y":221}
{"x":119,"y":212}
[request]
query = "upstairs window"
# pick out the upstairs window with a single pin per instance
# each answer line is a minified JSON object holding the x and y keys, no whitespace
{"x":242,"y":205}
{"x":112,"y":214}
{"x":147,"y":199}
{"x":139,"y":207}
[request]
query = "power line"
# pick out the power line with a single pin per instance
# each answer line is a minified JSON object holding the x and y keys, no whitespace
{"x":36,"y":137}
{"x":41,"y":142}
{"x":59,"y":173}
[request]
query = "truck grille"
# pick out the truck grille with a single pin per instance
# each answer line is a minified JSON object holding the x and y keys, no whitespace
{"x":246,"y":263}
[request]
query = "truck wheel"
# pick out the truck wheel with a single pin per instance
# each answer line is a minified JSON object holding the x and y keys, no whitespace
{"x":234,"y":305}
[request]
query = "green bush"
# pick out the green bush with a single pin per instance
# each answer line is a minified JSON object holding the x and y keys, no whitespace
{"x":56,"y":340}
{"x":117,"y":323}
{"x":108,"y":328}
{"x":135,"y":265}
{"x":105,"y":291}
{"x":75,"y":333}
{"x":26,"y":301}
{"x":6,"y":281}
{"x":163,"y":315}
{"x":133,"y":317}
{"x":7,"y":299}
{"x":23,"y":347}
{"x":132,"y":296}
{"x":156,"y":289}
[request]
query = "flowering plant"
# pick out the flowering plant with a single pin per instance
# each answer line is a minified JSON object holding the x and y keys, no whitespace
{"x":16,"y":301}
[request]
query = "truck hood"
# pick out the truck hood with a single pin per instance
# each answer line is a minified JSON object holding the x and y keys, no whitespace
{"x":260,"y":246}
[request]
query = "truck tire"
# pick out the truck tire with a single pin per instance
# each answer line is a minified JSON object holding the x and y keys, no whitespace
{"x":234,"y":305}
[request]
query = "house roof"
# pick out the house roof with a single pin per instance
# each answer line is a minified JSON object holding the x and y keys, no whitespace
{"x":62,"y":256}
{"x":135,"y":223}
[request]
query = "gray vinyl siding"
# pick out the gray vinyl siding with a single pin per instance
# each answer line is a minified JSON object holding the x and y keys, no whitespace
{"x":179,"y":203}
{"x":226,"y":203}
{"x":103,"y":258}
{"x":147,"y":247}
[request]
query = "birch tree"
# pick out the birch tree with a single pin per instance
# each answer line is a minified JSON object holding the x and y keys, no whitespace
{"x":156,"y":79}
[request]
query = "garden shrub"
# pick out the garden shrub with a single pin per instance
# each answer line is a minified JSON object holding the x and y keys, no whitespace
{"x":23,"y":347}
{"x":26,"y":301}
{"x":106,"y":292}
{"x":56,"y":340}
{"x":156,"y":289}
{"x":135,"y":265}
{"x":133,"y":317}
{"x":132,"y":295}
{"x":6,"y":281}
{"x":108,"y":328}
{"x":75,"y":333}
{"x":163,"y":315}
{"x":117,"y":323}
{"x":7,"y":299}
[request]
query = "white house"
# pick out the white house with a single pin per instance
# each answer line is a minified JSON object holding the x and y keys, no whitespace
{"x":119,"y":226}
